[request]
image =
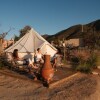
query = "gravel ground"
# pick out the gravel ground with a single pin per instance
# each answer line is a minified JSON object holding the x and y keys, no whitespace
{"x":80,"y":87}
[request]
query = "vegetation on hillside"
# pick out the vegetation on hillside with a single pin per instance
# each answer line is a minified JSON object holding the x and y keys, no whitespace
{"x":90,"y":34}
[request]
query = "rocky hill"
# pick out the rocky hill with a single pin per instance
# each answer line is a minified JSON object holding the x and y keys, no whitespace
{"x":77,"y":31}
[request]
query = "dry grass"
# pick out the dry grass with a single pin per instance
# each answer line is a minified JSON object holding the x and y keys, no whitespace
{"x":98,"y":61}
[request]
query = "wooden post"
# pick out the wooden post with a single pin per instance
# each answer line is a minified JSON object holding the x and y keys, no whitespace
{"x":64,"y":54}
{"x":0,"y":46}
{"x":64,"y":50}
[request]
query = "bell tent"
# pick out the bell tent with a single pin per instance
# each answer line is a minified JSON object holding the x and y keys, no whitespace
{"x":29,"y":44}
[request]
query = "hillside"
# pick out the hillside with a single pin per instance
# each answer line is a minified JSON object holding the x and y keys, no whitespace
{"x":76,"y":31}
{"x":45,"y":36}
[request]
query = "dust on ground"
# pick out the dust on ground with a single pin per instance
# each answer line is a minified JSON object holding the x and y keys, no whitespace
{"x":82,"y":87}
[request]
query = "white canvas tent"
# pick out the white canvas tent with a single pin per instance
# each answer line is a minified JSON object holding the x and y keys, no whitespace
{"x":30,"y":42}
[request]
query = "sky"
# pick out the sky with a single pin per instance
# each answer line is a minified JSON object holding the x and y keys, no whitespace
{"x":46,"y":16}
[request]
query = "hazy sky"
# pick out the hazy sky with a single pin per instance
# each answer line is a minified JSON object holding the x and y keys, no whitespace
{"x":46,"y":16}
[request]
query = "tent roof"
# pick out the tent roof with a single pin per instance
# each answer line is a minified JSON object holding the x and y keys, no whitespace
{"x":29,"y":42}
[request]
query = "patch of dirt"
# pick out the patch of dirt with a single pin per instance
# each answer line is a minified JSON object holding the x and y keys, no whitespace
{"x":80,"y":87}
{"x":77,"y":88}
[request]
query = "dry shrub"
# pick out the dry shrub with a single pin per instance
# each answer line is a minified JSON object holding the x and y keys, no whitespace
{"x":84,"y":61}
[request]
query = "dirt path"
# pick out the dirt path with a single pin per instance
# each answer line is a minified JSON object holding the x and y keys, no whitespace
{"x":14,"y":88}
{"x":82,"y":87}
{"x":96,"y":95}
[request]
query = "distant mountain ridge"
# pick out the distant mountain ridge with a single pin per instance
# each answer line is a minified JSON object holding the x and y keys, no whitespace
{"x":45,"y":36}
{"x":76,"y":31}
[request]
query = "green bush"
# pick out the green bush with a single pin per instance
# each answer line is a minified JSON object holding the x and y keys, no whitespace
{"x":75,"y":60}
{"x":92,"y":61}
{"x":98,"y":60}
{"x":84,"y":62}
{"x":84,"y":67}
{"x":1,"y":65}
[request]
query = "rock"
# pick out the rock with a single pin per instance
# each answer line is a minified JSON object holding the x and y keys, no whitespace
{"x":95,"y":73}
{"x":98,"y":67}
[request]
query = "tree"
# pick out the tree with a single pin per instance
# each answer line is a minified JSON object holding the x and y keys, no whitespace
{"x":92,"y":39}
{"x":16,"y":38}
{"x":24,"y":31}
{"x":2,"y":36}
